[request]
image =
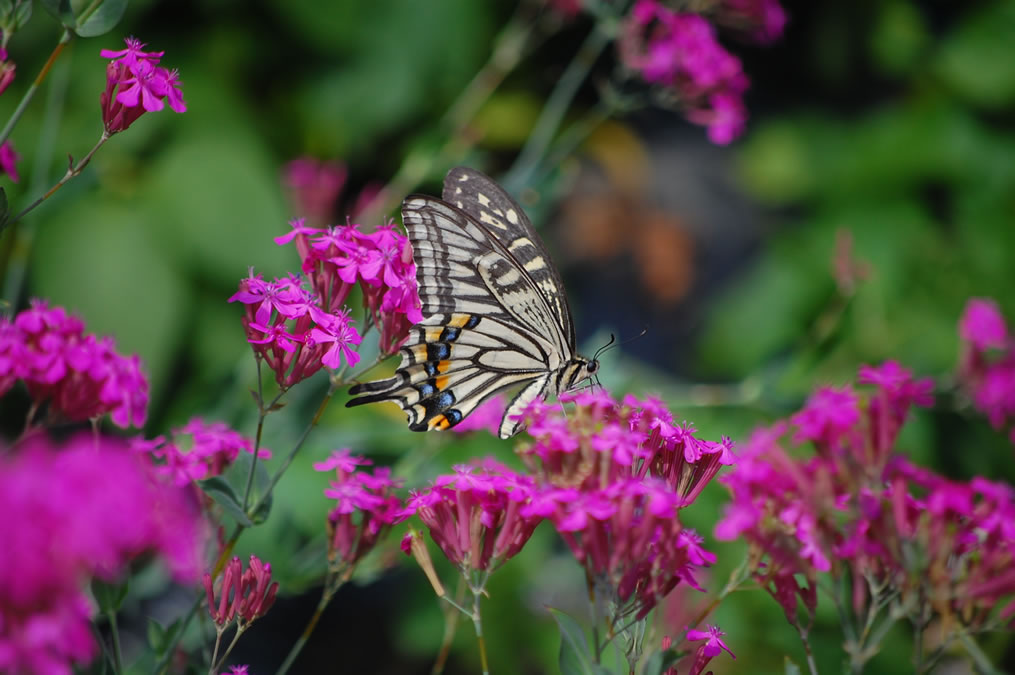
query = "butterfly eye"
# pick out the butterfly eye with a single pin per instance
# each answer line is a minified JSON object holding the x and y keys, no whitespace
{"x":592,"y":366}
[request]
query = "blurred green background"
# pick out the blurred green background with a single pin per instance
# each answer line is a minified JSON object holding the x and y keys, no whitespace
{"x":883,"y":129}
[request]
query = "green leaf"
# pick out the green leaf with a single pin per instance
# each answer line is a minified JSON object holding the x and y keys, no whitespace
{"x":660,"y":661}
{"x":161,"y":637}
{"x":22,"y":13}
{"x":6,"y":7}
{"x":102,"y":20}
{"x":574,"y":648}
{"x":5,"y":212}
{"x":109,"y":597}
{"x":222,"y":492}
{"x":61,"y":9}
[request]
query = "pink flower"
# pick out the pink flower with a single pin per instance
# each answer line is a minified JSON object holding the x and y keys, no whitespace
{"x":982,"y":325}
{"x":197,"y":450}
{"x":67,"y":526}
{"x":7,"y":70}
{"x":366,"y":508}
{"x":314,"y":186}
{"x":288,"y":329}
{"x":477,"y":516}
{"x":680,"y":53}
{"x":136,"y":84}
{"x":9,"y":161}
{"x":79,"y":376}
{"x":827,"y":418}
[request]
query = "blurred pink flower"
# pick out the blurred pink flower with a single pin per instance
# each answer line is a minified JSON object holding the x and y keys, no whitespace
{"x":78,"y":375}
{"x":62,"y":526}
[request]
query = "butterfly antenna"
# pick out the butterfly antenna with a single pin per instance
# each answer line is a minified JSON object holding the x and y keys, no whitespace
{"x":613,"y":338}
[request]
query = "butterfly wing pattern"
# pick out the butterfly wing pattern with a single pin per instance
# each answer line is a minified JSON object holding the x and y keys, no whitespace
{"x":495,"y":314}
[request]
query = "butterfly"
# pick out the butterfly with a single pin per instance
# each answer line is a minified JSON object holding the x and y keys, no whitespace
{"x":495,"y":313}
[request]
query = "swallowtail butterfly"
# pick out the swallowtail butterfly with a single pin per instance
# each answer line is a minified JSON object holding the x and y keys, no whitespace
{"x":494,"y":310}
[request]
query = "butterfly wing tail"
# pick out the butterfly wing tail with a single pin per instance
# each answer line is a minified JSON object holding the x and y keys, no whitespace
{"x":373,"y":392}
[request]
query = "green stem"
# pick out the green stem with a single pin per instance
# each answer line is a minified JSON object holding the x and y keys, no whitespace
{"x":292,"y":454}
{"x":72,"y":171}
{"x":330,"y":588}
{"x":17,"y":246}
{"x":477,"y":622}
{"x":30,"y":92}
{"x":556,"y":107}
{"x":115,"y":632}
{"x":216,"y":665}
{"x":262,"y":412}
{"x":511,"y":45}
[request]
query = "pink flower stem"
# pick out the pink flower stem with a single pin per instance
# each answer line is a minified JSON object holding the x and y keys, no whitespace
{"x":72,"y":171}
{"x":30,"y":93}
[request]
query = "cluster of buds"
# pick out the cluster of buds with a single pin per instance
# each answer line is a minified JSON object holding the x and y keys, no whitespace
{"x":243,"y":595}
{"x":78,"y":375}
{"x":136,"y":84}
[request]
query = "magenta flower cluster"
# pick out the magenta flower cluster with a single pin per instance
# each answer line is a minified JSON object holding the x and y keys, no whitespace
{"x":366,"y":508}
{"x":136,"y":84}
{"x":297,"y":331}
{"x":197,"y":450}
{"x":987,"y":365}
{"x":337,"y":258}
{"x":243,"y":595}
{"x":292,"y":332}
{"x":479,"y":517}
{"x":680,"y":53}
{"x":85,"y":509}
{"x":855,"y":508}
{"x":611,"y":477}
{"x":78,"y":375}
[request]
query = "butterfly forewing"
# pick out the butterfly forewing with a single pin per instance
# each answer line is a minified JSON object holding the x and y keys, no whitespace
{"x":495,"y":313}
{"x":479,"y":196}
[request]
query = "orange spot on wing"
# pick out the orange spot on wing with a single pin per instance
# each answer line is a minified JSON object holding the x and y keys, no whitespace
{"x":459,"y":320}
{"x":440,"y":423}
{"x":433,"y":334}
{"x":442,"y":381}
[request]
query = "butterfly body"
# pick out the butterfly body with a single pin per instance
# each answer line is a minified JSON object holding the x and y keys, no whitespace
{"x":495,"y":312}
